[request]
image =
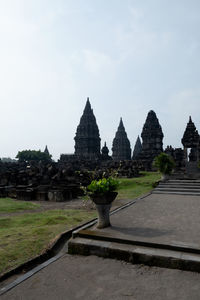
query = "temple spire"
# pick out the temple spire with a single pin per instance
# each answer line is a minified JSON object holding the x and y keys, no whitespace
{"x":87,"y":139}
{"x":87,"y":108}
{"x":121,"y":125}
{"x":46,"y":150}
{"x":137,"y":149}
{"x":191,"y":136}
{"x":121,"y":145}
{"x":152,"y":140}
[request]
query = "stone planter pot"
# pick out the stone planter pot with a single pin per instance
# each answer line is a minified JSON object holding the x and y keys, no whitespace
{"x":103,"y":204}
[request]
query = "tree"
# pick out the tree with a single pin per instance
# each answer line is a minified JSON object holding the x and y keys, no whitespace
{"x":33,"y":155}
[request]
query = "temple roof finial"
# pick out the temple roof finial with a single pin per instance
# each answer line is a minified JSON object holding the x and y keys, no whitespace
{"x":46,"y":150}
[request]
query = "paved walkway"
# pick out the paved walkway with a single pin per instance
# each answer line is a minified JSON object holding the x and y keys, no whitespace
{"x":164,"y":219}
{"x":91,"y":278}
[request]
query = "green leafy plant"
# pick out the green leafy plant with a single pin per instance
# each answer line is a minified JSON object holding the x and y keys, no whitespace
{"x":164,"y":163}
{"x":102,"y":186}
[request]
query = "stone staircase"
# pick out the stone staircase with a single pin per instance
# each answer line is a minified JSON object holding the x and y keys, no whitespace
{"x":179,"y":187}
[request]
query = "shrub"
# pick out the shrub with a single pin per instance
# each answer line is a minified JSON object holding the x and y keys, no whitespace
{"x":164,"y":163}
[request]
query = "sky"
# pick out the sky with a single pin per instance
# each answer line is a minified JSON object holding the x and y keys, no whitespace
{"x":128,"y":57}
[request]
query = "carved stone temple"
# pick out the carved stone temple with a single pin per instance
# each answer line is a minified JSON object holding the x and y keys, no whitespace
{"x":152,"y":140}
{"x":104,"y":153}
{"x":137,"y":149}
{"x":121,"y":145}
{"x":191,"y":140}
{"x":87,"y":139}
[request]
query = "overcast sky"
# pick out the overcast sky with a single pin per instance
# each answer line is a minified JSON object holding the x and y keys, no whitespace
{"x":128,"y":56}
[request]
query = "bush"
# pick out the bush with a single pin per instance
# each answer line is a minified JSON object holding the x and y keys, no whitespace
{"x":164,"y":163}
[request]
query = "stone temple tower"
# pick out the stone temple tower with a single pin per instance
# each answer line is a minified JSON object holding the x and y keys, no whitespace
{"x":137,"y":149}
{"x":87,"y":139}
{"x":152,"y":137}
{"x":191,"y":140}
{"x":121,"y":146}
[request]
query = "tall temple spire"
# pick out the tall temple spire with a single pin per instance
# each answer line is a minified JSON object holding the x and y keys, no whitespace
{"x":87,"y":139}
{"x":152,"y":139}
{"x":121,"y":146}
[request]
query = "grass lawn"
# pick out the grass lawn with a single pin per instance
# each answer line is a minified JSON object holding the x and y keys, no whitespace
{"x":8,"y":205}
{"x":131,"y":188}
{"x":25,"y":236}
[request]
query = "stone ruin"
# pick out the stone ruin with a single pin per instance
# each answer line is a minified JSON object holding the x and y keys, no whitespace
{"x":59,"y":181}
{"x":38,"y":181}
{"x":62,"y":181}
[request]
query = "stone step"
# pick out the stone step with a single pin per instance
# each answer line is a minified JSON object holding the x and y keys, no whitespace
{"x":178,"y":190}
{"x":180,"y":183}
{"x":136,"y":254}
{"x":179,"y":186}
{"x":176,"y":193}
{"x":184,"y":181}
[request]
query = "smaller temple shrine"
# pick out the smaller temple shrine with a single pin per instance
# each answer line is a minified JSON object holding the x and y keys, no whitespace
{"x":137,"y":149}
{"x":121,"y":145}
{"x":190,"y":141}
{"x":104,"y":153}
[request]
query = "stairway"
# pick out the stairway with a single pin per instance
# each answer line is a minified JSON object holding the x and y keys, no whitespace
{"x":179,"y":187}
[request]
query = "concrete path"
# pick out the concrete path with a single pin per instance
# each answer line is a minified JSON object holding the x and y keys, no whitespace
{"x":91,"y":278}
{"x":165,"y":220}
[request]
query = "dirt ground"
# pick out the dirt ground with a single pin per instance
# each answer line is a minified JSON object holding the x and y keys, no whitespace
{"x":47,"y":205}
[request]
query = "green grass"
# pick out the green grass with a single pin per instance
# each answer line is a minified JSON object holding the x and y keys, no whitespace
{"x":24,"y":237}
{"x":131,"y":188}
{"x":8,"y":205}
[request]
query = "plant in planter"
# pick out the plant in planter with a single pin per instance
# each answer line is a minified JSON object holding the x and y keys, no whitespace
{"x":103,"y":192}
{"x":165,"y":165}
